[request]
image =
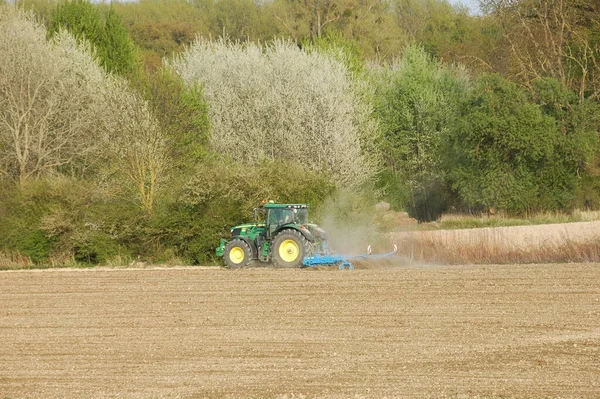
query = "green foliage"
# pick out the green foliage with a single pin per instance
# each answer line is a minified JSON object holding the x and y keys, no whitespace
{"x":22,"y":209}
{"x":379,"y":30}
{"x":36,"y":245}
{"x":117,"y":52}
{"x":344,"y":50}
{"x":575,"y":145}
{"x":162,"y":27}
{"x":436,"y":23}
{"x":416,"y":102}
{"x":20,"y":227}
{"x":577,"y":121}
{"x":371,"y":25}
{"x":448,"y":32}
{"x":183,"y":115}
{"x":512,"y":154}
{"x":81,"y":18}
{"x":109,"y":38}
{"x":588,"y":191}
{"x":237,"y":20}
{"x":60,"y":219}
{"x":392,"y":188}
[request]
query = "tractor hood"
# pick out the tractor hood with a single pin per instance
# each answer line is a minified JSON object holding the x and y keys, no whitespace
{"x":242,"y":228}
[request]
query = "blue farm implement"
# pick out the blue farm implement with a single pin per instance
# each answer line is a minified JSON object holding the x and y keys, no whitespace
{"x":344,"y":262}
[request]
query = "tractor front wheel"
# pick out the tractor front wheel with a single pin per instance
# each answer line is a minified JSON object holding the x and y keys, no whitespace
{"x":289,"y":249}
{"x":237,"y":254}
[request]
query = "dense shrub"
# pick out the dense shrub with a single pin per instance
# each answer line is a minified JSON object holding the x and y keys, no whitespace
{"x":57,"y":220}
{"x":564,"y":182}
{"x":21,"y":211}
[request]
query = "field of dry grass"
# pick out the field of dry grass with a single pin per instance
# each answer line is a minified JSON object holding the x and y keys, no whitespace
{"x":456,"y":221}
{"x":566,"y":242}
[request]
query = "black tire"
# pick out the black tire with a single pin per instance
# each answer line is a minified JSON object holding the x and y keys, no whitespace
{"x":237,"y":254}
{"x":289,"y":249}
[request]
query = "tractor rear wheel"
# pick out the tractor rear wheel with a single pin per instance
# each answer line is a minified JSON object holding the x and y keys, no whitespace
{"x":289,"y":249}
{"x":237,"y":254}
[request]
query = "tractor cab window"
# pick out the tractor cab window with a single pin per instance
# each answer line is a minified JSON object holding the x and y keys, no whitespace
{"x":302,"y":216}
{"x":278,"y":217}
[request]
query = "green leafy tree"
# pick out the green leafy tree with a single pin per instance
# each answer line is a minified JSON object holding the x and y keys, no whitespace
{"x":576,"y":145}
{"x":108,"y":37}
{"x":416,"y":101}
{"x":81,"y":18}
{"x":182,"y":112}
{"x":117,"y":51}
{"x":510,"y":153}
{"x":344,"y":50}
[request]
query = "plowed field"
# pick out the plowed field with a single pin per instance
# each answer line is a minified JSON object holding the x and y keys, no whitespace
{"x":415,"y":331}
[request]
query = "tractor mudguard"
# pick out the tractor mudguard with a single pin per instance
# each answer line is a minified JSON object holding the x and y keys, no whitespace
{"x":305,"y":232}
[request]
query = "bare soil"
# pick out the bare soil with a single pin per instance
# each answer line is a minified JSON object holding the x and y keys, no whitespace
{"x":522,"y":331}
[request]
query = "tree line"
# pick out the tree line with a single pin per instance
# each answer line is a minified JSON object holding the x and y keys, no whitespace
{"x":147,"y":129}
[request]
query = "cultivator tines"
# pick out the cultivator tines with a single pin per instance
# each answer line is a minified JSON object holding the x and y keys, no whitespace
{"x":343,"y":262}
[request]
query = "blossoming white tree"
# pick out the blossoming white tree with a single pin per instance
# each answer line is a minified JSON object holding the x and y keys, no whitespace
{"x":60,"y":110}
{"x":281,"y":102}
{"x":48,"y":101}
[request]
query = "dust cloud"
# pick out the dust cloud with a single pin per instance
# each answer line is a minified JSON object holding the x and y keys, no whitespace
{"x":349,"y":223}
{"x":353,"y":225}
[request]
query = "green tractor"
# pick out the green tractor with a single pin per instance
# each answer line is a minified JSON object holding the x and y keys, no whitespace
{"x":280,"y":234}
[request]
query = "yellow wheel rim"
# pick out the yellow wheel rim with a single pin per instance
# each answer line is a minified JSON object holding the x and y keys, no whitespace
{"x":289,"y":251}
{"x":236,"y":255}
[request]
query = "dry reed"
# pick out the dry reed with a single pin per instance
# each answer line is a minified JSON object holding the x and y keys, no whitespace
{"x":572,"y":242}
{"x":10,"y":260}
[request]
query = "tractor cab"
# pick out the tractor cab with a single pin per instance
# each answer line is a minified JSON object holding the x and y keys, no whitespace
{"x":279,"y":216}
